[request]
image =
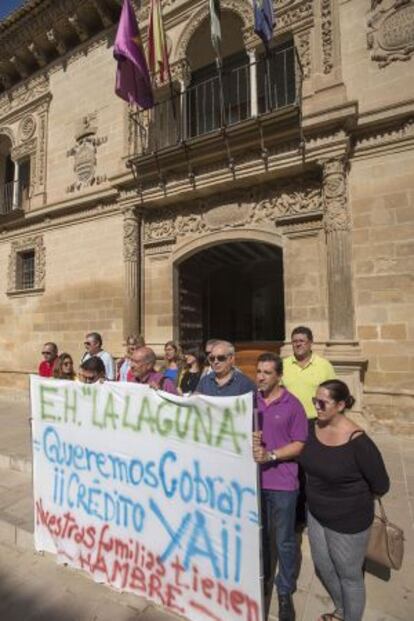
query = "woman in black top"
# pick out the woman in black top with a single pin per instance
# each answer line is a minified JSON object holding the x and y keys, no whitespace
{"x":195,"y":360}
{"x":344,"y":471}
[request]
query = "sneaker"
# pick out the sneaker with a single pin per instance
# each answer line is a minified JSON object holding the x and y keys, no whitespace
{"x":286,"y":609}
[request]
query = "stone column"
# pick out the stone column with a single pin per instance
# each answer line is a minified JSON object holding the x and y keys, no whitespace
{"x":16,"y":187}
{"x":338,"y":237}
{"x":253,"y":82}
{"x":132,"y":260}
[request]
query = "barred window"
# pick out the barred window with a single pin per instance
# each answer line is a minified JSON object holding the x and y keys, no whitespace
{"x":27,"y":266}
{"x":26,"y":270}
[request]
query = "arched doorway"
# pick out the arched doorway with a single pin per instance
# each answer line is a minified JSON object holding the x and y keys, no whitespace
{"x":233,"y":291}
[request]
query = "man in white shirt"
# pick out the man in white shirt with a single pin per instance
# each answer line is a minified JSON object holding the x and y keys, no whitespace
{"x":93,"y":346}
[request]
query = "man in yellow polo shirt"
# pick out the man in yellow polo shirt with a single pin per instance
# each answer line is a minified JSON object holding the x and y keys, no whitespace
{"x":304,"y":371}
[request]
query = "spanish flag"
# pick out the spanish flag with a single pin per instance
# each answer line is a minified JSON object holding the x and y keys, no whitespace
{"x":157,"y":43}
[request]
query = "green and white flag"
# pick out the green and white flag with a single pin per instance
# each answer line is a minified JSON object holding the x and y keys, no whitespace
{"x":215,"y":14}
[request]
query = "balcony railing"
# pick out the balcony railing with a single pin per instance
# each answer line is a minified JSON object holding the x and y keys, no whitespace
{"x":13,"y":195}
{"x":242,"y":93}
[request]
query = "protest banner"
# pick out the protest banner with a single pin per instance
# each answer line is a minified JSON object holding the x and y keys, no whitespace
{"x":150,"y":493}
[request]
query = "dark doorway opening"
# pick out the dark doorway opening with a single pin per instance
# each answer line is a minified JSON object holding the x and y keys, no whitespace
{"x":232,"y":291}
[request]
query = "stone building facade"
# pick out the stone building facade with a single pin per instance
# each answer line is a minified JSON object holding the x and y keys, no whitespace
{"x":169,"y":223}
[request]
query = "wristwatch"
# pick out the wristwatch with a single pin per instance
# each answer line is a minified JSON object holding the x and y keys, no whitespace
{"x":272,"y":456}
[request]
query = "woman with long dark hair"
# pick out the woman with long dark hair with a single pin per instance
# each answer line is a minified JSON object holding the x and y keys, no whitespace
{"x":344,"y":472}
{"x":195,"y":360}
{"x":64,"y":367}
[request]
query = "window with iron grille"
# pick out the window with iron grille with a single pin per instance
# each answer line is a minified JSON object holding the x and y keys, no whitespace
{"x":27,"y":266}
{"x":26,"y":270}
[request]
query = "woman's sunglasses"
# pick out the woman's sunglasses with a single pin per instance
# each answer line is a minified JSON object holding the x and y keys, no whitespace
{"x":320,"y":404}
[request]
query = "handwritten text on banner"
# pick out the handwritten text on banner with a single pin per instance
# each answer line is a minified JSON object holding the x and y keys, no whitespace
{"x":150,"y":493}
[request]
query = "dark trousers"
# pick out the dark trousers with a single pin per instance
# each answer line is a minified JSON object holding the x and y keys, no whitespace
{"x":279,"y":544}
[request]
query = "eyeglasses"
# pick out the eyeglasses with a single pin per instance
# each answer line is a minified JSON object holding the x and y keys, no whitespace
{"x":219,"y":358}
{"x":320,"y":404}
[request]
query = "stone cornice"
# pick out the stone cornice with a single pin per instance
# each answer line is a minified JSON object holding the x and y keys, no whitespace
{"x":18,"y":14}
{"x":385,"y":114}
{"x":44,"y":30}
{"x":397,"y":135}
{"x":36,"y":21}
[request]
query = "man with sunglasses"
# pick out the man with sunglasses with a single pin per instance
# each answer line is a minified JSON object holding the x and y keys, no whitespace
{"x":50,"y":355}
{"x":224,"y":380}
{"x":283,"y":432}
{"x":93,"y":346}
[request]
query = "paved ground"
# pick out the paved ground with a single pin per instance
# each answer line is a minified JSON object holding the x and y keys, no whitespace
{"x":33,"y":587}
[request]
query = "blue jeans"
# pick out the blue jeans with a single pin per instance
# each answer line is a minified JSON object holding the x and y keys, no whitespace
{"x":279,"y":544}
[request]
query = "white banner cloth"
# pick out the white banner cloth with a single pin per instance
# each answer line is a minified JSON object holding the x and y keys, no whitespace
{"x":150,"y":493}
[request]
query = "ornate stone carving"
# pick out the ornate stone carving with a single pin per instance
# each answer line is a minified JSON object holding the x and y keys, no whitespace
{"x":23,"y":245}
{"x":23,"y":94}
{"x":338,"y":244}
{"x":303,"y":46}
{"x":392,"y":134}
{"x":293,"y":200}
{"x":180,"y":71}
{"x":327,"y":42}
{"x":282,"y":203}
{"x":292,"y":16}
{"x":321,"y":140}
{"x":281,"y":4}
{"x":295,"y":17}
{"x":41,"y":172}
{"x":19,"y":66}
{"x":131,"y":234}
{"x":26,"y":148}
{"x":78,"y":27}
{"x":6,"y":131}
{"x":84,"y":153}
{"x":56,"y":40}
{"x":335,"y":194}
{"x":103,"y":12}
{"x":27,"y":127}
{"x":5,"y":81}
{"x":38,"y":54}
{"x":39,"y":23}
{"x":390,"y":35}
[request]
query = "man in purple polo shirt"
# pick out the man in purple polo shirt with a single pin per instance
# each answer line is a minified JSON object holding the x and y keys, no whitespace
{"x":284,"y":431}
{"x":143,"y":362}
